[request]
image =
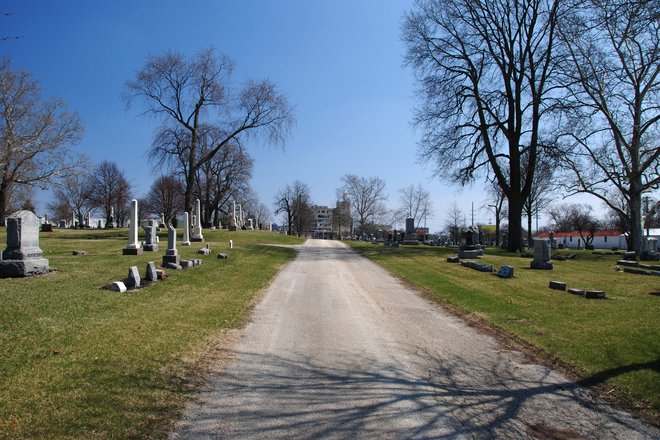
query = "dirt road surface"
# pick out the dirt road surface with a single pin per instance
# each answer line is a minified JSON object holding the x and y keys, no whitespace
{"x":338,"y":348}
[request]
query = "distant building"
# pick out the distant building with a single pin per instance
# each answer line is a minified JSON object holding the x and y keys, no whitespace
{"x":602,"y":239}
{"x":322,"y":227}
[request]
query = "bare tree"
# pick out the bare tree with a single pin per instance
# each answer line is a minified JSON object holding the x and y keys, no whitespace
{"x":486,"y":71}
{"x":367,"y":197}
{"x":416,"y":203}
{"x":575,"y":217}
{"x":35,"y":135}
{"x":110,"y":190}
{"x":222,"y":179}
{"x":454,"y":221}
{"x":165,"y":197}
{"x":496,"y":204}
{"x":191,"y":95}
{"x":613,"y":111}
{"x":73,"y":192}
{"x":294,"y":201}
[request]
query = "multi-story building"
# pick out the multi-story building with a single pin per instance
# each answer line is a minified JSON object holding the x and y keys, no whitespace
{"x":322,"y":227}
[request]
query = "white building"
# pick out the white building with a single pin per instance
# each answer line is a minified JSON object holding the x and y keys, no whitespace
{"x":322,"y":227}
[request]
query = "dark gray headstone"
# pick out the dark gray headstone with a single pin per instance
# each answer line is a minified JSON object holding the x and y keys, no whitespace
{"x":150,"y":242}
{"x":23,"y":257}
{"x":505,"y":272}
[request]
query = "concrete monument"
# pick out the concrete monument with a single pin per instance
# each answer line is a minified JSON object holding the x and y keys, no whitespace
{"x":133,"y":247}
{"x":150,"y":242}
{"x":171,"y":254}
{"x":541,"y":255}
{"x":197,"y":224}
{"x":23,"y":257}
{"x":185,"y":241}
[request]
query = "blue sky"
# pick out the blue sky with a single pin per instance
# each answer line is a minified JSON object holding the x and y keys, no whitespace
{"x":339,"y":62}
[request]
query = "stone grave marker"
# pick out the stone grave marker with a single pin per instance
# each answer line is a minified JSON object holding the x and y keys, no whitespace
{"x":150,"y":243}
{"x":133,"y":247}
{"x":22,"y":257}
{"x":133,"y":280}
{"x":171,"y":254}
{"x":541,"y":255}
{"x":411,"y":233}
{"x":151,"y":274}
{"x":185,"y":241}
{"x":196,"y":234}
{"x":505,"y":272}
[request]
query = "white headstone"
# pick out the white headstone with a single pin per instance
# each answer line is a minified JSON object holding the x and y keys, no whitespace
{"x":186,"y":230}
{"x":197,"y":225}
{"x":133,"y":247}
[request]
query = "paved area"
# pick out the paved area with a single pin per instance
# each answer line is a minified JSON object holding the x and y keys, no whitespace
{"x":338,"y":348}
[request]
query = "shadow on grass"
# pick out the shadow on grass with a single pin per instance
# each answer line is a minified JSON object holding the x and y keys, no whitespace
{"x":605,"y":375}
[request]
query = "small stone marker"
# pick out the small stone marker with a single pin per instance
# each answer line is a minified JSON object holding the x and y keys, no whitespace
{"x":635,"y":271}
{"x":630,"y":256}
{"x":223,"y":256}
{"x":454,"y":259}
{"x":594,"y":294}
{"x":133,"y":280}
{"x":186,"y":264}
{"x":576,"y":291}
{"x":160,"y":274}
{"x":118,"y":286}
{"x":204,"y":251}
{"x":557,"y":285}
{"x":231,"y":244}
{"x":174,"y":266}
{"x":23,"y":257}
{"x":629,"y":263}
{"x":505,"y":272}
{"x":151,"y":272}
{"x":79,"y":253}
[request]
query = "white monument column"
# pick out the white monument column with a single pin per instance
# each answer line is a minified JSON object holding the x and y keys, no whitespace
{"x":197,"y":226}
{"x":133,"y":247}
{"x":186,"y":230}
{"x":73,"y":219}
{"x":232,"y":222}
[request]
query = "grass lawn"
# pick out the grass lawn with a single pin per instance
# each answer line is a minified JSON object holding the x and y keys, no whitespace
{"x":78,"y":361}
{"x":613,"y":343}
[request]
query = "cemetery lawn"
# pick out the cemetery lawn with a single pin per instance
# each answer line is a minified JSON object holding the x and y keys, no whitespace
{"x":613,"y":344}
{"x":78,"y":361}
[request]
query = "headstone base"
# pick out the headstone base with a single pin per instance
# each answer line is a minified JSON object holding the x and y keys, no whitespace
{"x":128,"y":251}
{"x":150,"y":248}
{"x":23,"y":268}
{"x":543,"y":265}
{"x":185,"y":243}
{"x":197,"y":239}
{"x":47,"y":227}
{"x":170,"y":259}
{"x":233,"y":227}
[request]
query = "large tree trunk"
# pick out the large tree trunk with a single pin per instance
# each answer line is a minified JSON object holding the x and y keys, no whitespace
{"x":4,"y":199}
{"x":515,"y":227}
{"x":636,"y":229}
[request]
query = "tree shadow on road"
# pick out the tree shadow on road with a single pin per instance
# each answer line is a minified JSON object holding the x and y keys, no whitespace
{"x":291,"y":396}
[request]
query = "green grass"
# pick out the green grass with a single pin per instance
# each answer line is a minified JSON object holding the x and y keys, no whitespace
{"x":614,"y":343}
{"x":78,"y":361}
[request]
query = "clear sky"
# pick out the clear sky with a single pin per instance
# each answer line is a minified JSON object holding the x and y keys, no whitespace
{"x":338,"y":61}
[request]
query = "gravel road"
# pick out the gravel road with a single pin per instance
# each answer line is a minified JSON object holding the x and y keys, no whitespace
{"x":338,"y":348}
